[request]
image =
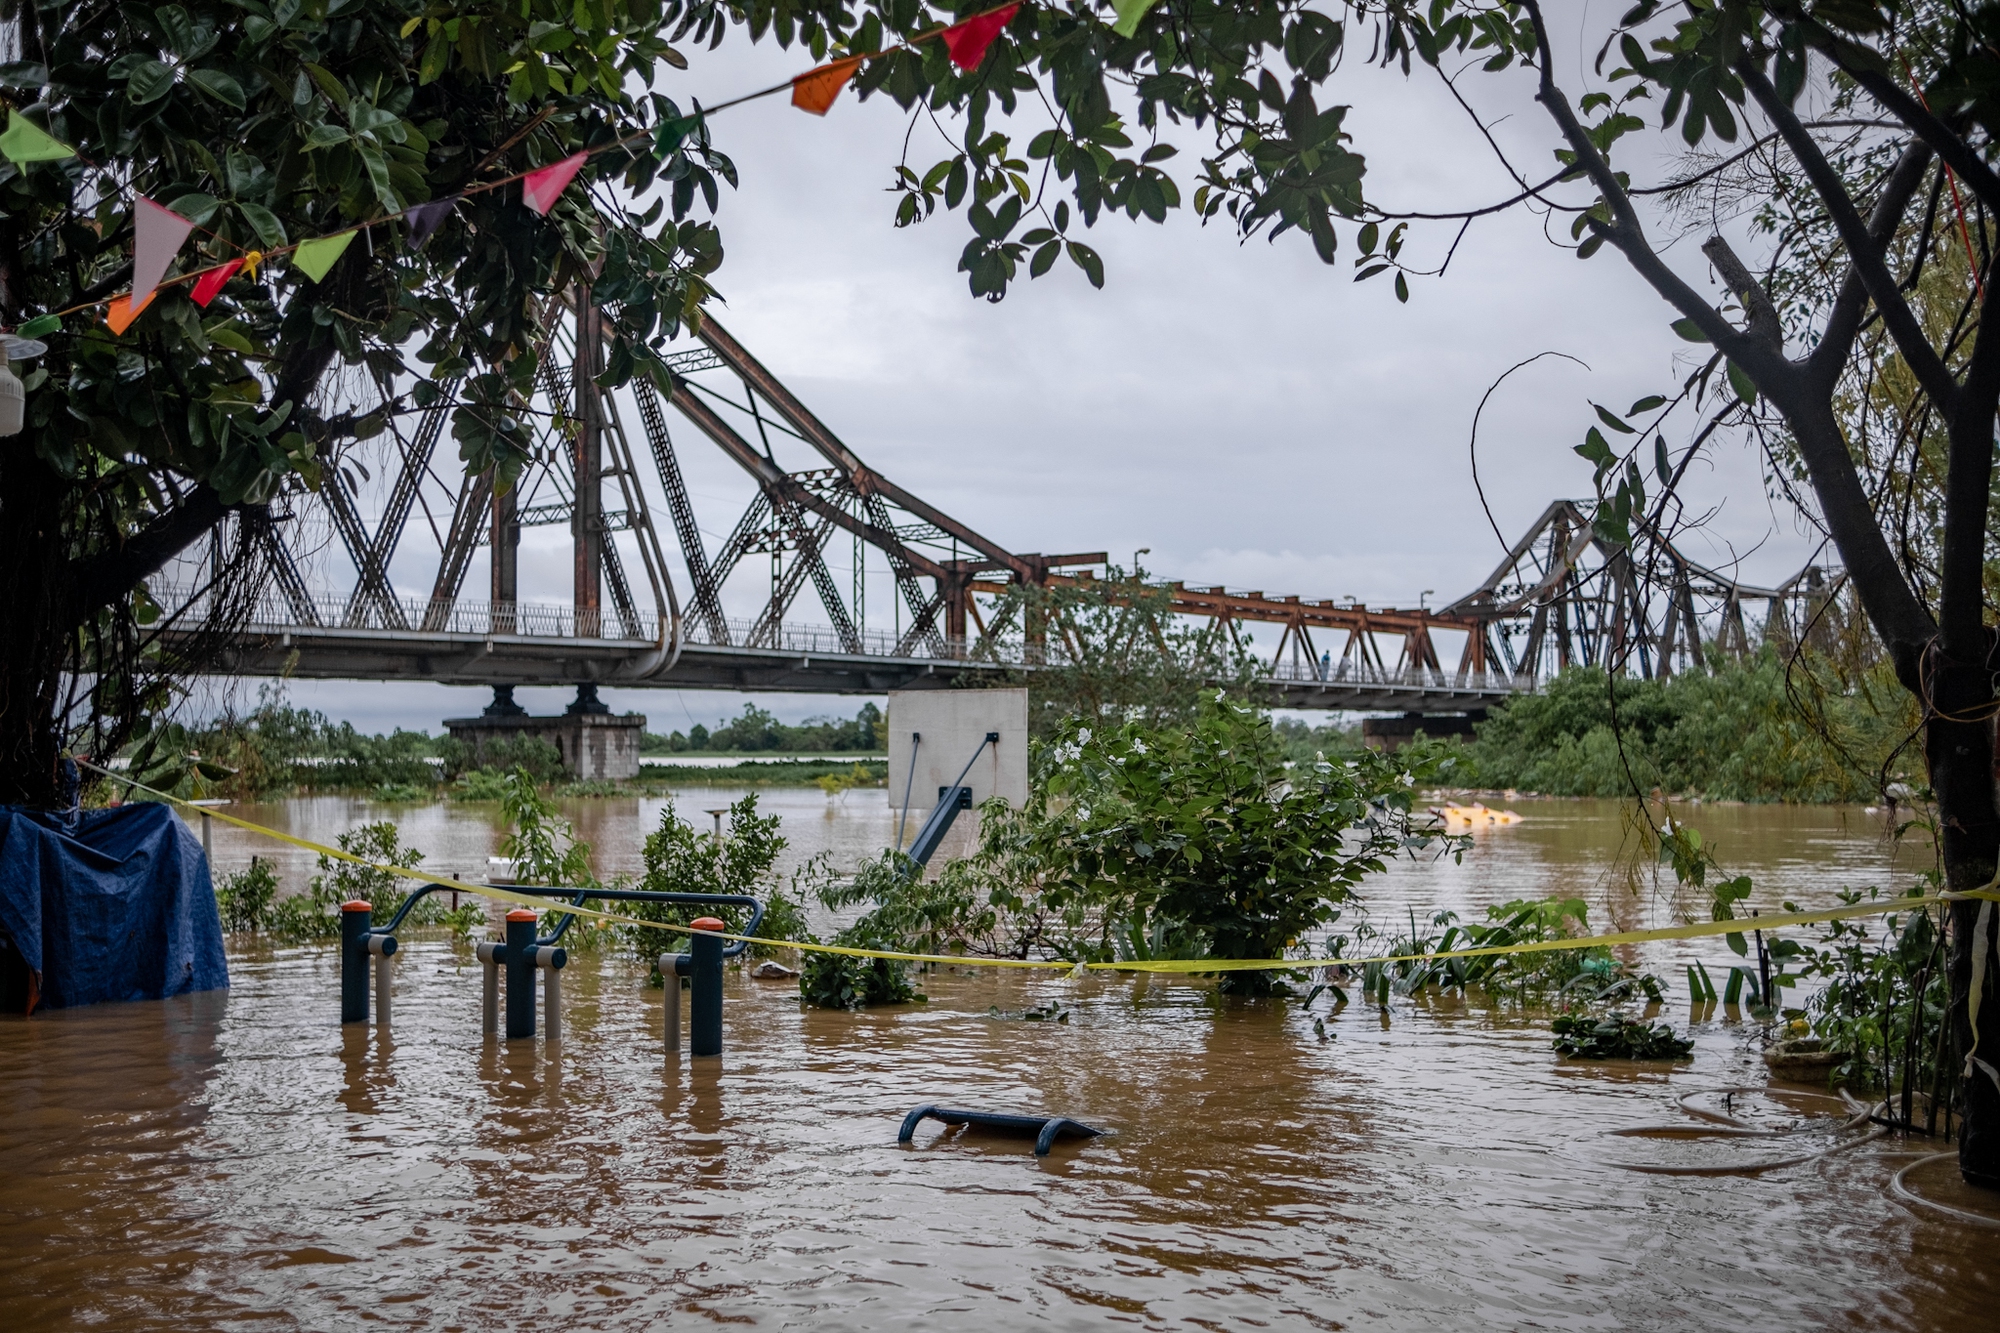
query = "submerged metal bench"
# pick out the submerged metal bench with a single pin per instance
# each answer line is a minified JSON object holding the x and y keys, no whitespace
{"x":1046,"y":1129}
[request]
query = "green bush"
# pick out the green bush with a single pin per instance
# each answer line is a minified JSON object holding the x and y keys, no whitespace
{"x":244,"y":897}
{"x":1740,"y":732}
{"x":1585,"y":1037}
{"x":838,"y":981}
{"x":680,"y":859}
{"x":315,"y":914}
{"x":1156,"y":839}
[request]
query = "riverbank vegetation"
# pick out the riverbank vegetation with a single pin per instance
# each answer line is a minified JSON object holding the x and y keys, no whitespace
{"x":277,"y":750}
{"x":1144,"y":839}
{"x":756,"y":731}
{"x":1761,"y":729}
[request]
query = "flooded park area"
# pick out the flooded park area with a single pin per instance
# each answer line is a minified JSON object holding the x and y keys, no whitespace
{"x":239,"y":1159}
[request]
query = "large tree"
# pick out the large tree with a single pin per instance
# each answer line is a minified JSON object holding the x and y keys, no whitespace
{"x":268,"y":122}
{"x":1068,"y":120}
{"x":265,"y":125}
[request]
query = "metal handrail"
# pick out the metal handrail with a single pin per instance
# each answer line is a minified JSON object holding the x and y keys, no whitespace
{"x":577,"y":898}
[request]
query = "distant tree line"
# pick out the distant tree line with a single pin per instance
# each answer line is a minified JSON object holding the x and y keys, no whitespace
{"x":755,"y":731}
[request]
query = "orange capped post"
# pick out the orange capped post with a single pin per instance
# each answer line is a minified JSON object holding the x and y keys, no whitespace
{"x":354,"y":921}
{"x":705,"y":987}
{"x":520,"y":961}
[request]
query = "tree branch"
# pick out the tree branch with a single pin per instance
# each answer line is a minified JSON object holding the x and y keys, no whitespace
{"x":1850,"y":305}
{"x":1771,"y":371}
{"x":1862,"y":250}
{"x":1968,"y":494}
{"x":103,"y":578}
{"x":1864,"y":65}
{"x":1892,"y":607}
{"x":1764,"y":324}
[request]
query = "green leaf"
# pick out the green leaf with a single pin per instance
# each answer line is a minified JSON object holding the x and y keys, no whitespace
{"x":219,"y":86}
{"x":264,"y":222}
{"x":1086,"y":259}
{"x":325,"y":136}
{"x":1661,"y":464}
{"x":149,"y":82}
{"x":329,"y":85}
{"x":196,"y":208}
{"x":1612,"y":421}
{"x":1646,"y":404}
{"x":1689,"y":331}
{"x":1739,"y":381}
{"x":39,"y":327}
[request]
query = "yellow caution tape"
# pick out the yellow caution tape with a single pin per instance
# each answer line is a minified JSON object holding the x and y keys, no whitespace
{"x":1695,"y":930}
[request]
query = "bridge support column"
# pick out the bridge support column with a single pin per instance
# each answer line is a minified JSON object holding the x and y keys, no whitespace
{"x":587,"y":517}
{"x":506,"y":552}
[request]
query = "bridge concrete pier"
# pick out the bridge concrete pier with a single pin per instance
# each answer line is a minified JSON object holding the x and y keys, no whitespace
{"x":595,"y":743}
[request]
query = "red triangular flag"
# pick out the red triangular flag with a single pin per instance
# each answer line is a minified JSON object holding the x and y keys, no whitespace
{"x":968,"y":41}
{"x":121,"y":312}
{"x":815,"y":89}
{"x":539,"y":189}
{"x":157,"y":234}
{"x":212,"y":283}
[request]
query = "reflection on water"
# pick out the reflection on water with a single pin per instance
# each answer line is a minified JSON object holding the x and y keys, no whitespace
{"x":221,"y":1160}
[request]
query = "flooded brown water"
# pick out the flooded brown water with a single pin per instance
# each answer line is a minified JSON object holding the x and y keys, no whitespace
{"x":238,"y":1159}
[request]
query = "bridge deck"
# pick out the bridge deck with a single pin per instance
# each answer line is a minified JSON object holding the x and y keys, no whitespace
{"x":805,"y":659}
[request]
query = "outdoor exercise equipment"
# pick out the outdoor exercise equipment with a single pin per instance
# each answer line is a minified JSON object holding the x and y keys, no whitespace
{"x":951,"y":800}
{"x":702,"y":965}
{"x":524,"y":954}
{"x":358,"y":945}
{"x":1046,"y":1129}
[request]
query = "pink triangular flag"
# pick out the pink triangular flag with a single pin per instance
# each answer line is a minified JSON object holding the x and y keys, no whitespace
{"x":539,"y":189}
{"x":157,"y":234}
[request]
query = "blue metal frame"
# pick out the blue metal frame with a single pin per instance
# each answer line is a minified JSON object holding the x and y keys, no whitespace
{"x":1046,"y":1129}
{"x":703,"y":961}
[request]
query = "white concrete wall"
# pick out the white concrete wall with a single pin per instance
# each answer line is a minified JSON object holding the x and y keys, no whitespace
{"x":952,"y":724}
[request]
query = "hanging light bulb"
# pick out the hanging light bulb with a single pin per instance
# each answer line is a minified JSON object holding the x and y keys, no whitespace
{"x":13,"y":394}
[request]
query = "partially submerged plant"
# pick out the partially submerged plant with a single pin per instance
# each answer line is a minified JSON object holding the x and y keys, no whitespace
{"x":1615,"y":1037}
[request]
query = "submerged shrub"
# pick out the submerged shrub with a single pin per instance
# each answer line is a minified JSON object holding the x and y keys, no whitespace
{"x":315,"y":914}
{"x":743,"y":860}
{"x":1612,"y":1037}
{"x":244,"y":897}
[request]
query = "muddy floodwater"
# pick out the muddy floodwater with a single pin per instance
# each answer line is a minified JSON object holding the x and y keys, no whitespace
{"x":239,"y":1160}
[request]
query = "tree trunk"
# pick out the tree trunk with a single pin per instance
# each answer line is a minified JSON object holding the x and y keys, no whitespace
{"x":36,"y":575}
{"x":1959,"y":744}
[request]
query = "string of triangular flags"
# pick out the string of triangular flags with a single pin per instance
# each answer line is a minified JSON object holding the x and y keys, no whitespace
{"x":158,"y":232}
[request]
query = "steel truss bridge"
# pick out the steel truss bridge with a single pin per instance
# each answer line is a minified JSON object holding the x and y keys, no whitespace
{"x":606,"y":467}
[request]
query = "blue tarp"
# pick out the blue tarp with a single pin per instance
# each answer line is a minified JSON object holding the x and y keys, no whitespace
{"x":109,"y":904}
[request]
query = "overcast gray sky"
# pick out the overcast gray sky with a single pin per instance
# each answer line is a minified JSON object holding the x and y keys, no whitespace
{"x":1247,"y":413}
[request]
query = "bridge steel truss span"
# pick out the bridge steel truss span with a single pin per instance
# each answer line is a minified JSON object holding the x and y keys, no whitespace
{"x":600,"y":457}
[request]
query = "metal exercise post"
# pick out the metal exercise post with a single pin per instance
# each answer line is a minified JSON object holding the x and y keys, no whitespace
{"x":354,"y":953}
{"x":383,"y":949}
{"x":705,"y":1004}
{"x":551,"y":961}
{"x":520,"y":960}
{"x":672,"y":980}
{"x":490,"y":953}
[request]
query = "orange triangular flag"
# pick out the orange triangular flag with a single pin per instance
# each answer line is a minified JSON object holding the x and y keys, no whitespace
{"x":121,"y":312}
{"x":815,"y":89}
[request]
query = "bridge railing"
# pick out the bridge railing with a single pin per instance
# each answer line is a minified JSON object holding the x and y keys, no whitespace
{"x":1348,"y":675}
{"x":277,"y":612}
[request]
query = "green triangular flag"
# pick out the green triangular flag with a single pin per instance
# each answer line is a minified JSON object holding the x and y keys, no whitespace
{"x":313,"y":258}
{"x":26,"y":142}
{"x":1129,"y":14}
